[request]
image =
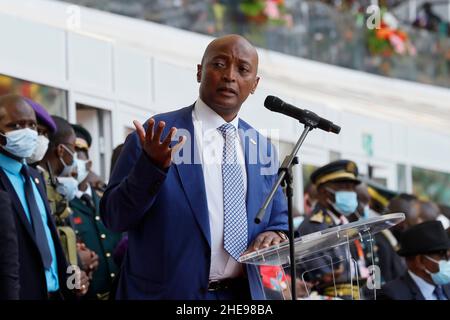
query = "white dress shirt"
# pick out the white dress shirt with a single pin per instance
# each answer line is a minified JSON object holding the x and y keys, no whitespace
{"x":427,"y":289}
{"x":209,"y":143}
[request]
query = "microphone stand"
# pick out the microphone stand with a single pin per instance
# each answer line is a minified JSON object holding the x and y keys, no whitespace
{"x":285,"y":178}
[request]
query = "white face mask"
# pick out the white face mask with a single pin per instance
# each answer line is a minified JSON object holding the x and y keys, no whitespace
{"x":82,"y":169}
{"x":40,"y":151}
{"x":21,"y":143}
{"x":68,"y":187}
{"x":68,"y":169}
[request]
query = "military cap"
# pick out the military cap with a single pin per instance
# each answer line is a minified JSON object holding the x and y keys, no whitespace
{"x":84,"y":138}
{"x":424,"y":238}
{"x":340,"y":170}
{"x":380,"y":193}
{"x":42,"y":116}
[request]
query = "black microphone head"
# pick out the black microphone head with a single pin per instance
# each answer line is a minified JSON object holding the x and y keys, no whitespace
{"x":273,"y":103}
{"x":335,"y":129}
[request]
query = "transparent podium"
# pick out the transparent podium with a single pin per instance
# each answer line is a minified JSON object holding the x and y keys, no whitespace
{"x":333,"y":264}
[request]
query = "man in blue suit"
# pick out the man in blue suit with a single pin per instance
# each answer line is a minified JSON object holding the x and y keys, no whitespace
{"x":190,"y":214}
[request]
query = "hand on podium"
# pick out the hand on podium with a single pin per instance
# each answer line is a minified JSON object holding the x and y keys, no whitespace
{"x":265,"y":240}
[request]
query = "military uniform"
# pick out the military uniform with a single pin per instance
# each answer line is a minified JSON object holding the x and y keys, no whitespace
{"x":322,"y":219}
{"x":91,"y":230}
{"x":331,"y":270}
{"x":61,"y":213}
{"x":391,"y":264}
{"x":89,"y":227}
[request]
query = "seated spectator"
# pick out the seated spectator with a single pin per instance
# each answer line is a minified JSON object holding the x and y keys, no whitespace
{"x":425,"y":248}
{"x":409,"y":205}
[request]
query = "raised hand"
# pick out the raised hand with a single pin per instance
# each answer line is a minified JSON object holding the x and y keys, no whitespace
{"x":158,"y":151}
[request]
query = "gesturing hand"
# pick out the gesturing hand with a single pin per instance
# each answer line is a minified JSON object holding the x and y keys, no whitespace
{"x":159,"y":152}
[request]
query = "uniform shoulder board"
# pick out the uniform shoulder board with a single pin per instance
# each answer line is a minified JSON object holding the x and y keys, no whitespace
{"x":317,"y":217}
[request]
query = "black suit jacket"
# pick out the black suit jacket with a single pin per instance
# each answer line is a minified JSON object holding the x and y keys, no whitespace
{"x":404,"y":288}
{"x":33,"y":285}
{"x":9,"y":251}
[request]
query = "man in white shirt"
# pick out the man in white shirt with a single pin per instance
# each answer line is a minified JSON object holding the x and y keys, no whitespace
{"x":190,"y":214}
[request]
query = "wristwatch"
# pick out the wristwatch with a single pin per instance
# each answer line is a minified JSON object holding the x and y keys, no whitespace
{"x":282,"y":235}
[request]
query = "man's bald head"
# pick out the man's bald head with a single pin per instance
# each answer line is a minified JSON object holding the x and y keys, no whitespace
{"x":12,"y":101}
{"x":226,"y":41}
{"x":407,"y":204}
{"x":228,"y":74}
{"x":429,"y":211}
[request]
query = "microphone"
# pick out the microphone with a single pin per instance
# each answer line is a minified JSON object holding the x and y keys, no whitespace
{"x":306,"y":117}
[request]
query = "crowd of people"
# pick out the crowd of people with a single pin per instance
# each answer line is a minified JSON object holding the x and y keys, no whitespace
{"x":169,"y":229}
{"x":412,"y":256}
{"x":50,"y":208}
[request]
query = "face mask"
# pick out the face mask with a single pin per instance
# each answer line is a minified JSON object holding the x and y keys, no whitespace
{"x":68,"y":187}
{"x":366,"y":212}
{"x":81,"y":169}
{"x":21,"y":143}
{"x":442,"y":277}
{"x":68,"y":169}
{"x":297,"y":221}
{"x":345,"y":203}
{"x":39,"y":152}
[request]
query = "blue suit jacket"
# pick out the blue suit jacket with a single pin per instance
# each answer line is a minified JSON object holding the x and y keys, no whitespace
{"x":166,"y":216}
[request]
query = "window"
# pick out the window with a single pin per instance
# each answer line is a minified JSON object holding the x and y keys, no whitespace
{"x":431,"y":184}
{"x":53,"y":99}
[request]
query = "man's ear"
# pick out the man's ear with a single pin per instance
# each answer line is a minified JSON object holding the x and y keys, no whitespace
{"x":255,"y":85}
{"x":59,"y":150}
{"x":199,"y":73}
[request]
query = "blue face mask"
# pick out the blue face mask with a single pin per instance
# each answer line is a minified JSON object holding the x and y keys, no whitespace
{"x":345,"y":203}
{"x":366,"y":212}
{"x":297,"y":221}
{"x":442,"y":277}
{"x":21,"y":143}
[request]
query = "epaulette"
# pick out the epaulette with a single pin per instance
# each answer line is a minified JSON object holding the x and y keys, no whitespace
{"x":317,"y":217}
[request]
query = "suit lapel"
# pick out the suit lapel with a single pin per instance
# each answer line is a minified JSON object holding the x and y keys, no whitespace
{"x":447,"y":291}
{"x":40,"y":185}
{"x":8,"y":187}
{"x":252,"y":166}
{"x":415,"y":291}
{"x":79,"y":205}
{"x":191,"y":175}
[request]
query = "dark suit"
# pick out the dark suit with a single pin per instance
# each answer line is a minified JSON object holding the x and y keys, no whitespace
{"x":166,"y":214}
{"x":390,"y":263}
{"x":9,"y":251}
{"x":33,"y":285}
{"x":404,"y":288}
